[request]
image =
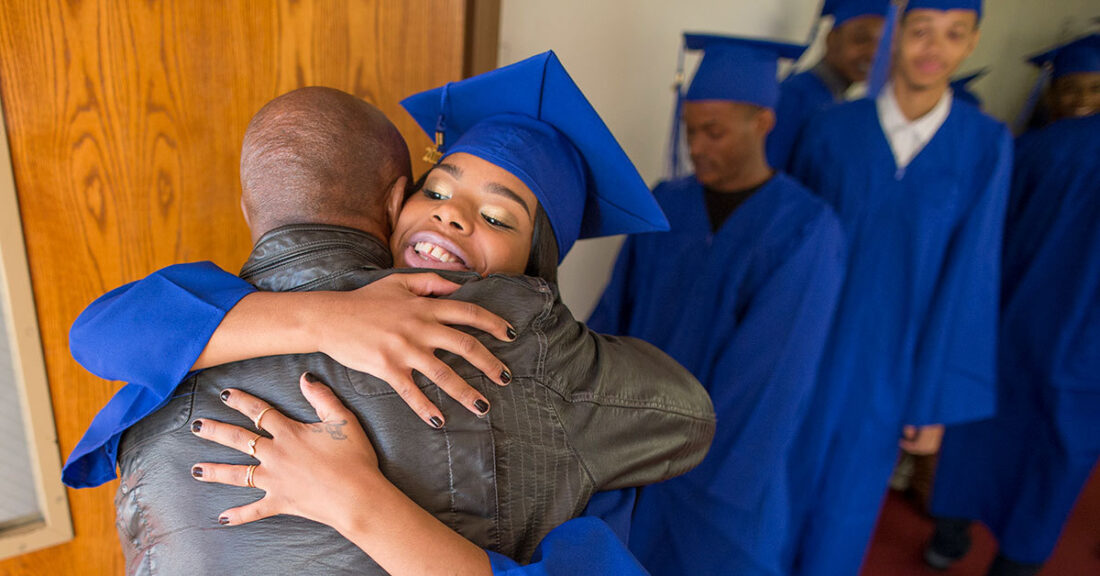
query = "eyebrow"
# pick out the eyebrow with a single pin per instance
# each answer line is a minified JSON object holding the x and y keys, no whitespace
{"x":492,"y":187}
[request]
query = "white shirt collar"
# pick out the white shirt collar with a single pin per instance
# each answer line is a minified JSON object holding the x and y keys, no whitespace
{"x":907,"y":138}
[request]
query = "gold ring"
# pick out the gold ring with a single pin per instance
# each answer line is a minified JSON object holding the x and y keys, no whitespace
{"x":260,"y":418}
{"x":249,"y":475}
{"x":252,"y":446}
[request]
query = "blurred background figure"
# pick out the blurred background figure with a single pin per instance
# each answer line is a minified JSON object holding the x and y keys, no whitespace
{"x":741,"y":291}
{"x":920,"y":185}
{"x":1068,"y":85}
{"x":849,"y":52}
{"x":1020,"y":472}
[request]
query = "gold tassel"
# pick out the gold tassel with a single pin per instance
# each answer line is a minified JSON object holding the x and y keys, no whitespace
{"x":432,"y":153}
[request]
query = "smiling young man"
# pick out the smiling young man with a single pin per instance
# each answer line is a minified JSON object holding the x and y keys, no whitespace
{"x":849,"y":52}
{"x":920,"y":183}
{"x":740,"y":291}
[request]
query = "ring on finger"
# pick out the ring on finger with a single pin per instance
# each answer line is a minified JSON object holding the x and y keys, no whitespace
{"x":260,"y":418}
{"x":252,"y":445}
{"x":249,"y":476}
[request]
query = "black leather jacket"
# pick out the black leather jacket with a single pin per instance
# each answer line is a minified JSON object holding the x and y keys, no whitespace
{"x":584,"y":412}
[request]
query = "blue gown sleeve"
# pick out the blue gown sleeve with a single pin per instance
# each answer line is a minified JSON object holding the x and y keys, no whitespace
{"x":591,"y":544}
{"x":955,"y":365}
{"x":612,"y":313}
{"x":773,"y":358}
{"x":148,"y":333}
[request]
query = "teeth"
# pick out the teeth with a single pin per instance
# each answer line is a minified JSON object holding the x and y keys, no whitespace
{"x":437,"y":252}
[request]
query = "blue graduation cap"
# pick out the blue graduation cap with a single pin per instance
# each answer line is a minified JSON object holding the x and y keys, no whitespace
{"x":732,"y":69}
{"x":961,"y":89}
{"x":738,"y":69}
{"x":975,"y":5}
{"x":1080,"y":55}
{"x":532,"y":120}
{"x":845,"y":10}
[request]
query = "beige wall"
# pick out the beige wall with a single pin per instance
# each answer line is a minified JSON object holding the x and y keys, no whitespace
{"x":623,"y":55}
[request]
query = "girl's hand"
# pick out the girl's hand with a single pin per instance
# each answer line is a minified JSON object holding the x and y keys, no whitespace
{"x":328,"y":472}
{"x":310,"y":470}
{"x":393,"y":326}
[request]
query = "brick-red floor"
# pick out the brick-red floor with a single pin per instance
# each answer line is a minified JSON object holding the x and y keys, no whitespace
{"x":903,"y":531}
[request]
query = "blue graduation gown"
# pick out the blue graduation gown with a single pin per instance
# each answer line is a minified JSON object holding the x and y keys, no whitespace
{"x":171,"y":314}
{"x":747,"y":310}
{"x":800,"y":97}
{"x":915,"y":331}
{"x":1021,"y":472}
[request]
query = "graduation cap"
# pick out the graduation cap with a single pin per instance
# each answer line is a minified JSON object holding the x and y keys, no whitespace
{"x":738,"y":69}
{"x":1080,"y":55}
{"x":532,"y":120}
{"x":732,"y":69}
{"x":845,"y":10}
{"x":959,"y":86}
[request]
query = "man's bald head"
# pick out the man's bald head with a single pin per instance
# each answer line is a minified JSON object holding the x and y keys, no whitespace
{"x":321,"y":156}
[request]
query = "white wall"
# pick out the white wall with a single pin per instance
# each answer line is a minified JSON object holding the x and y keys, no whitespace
{"x":622,"y":53}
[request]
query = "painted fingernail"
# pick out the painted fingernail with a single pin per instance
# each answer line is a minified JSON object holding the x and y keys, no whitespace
{"x":436,"y":422}
{"x":312,"y":379}
{"x":481,"y":405}
{"x":225,"y":395}
{"x":223,"y":520}
{"x":505,"y":376}
{"x":197,"y":471}
{"x":196,"y":426}
{"x":511,"y":333}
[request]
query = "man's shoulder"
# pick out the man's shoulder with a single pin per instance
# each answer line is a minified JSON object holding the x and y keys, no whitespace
{"x":794,"y":213}
{"x":974,"y":121}
{"x":670,"y":191}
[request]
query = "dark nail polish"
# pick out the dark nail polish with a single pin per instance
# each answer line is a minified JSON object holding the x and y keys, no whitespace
{"x":197,"y":471}
{"x":435,"y":422}
{"x":196,"y":426}
{"x":223,"y":520}
{"x":511,"y":333}
{"x":312,"y":379}
{"x":505,"y":376}
{"x":225,"y":395}
{"x":481,"y":405}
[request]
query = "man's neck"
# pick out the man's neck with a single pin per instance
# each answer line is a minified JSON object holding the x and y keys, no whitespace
{"x":751,"y":175}
{"x":913,"y":102}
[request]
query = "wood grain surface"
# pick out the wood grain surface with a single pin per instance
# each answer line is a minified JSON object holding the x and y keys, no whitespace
{"x":125,"y":121}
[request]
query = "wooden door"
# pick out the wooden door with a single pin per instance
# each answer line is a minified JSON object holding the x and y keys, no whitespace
{"x":125,"y":121}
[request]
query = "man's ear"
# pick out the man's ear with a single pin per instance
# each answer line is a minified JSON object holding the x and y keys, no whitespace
{"x":765,"y":122}
{"x":244,"y":211}
{"x":395,"y":199}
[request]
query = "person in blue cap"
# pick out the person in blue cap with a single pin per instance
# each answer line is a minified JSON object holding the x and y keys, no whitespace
{"x":527,"y":124}
{"x":741,"y":291}
{"x":849,"y":52}
{"x":920,"y":183}
{"x":1071,"y":75}
{"x":1021,"y":472}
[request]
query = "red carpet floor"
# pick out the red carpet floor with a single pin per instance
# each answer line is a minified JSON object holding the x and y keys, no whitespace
{"x":903,"y":530}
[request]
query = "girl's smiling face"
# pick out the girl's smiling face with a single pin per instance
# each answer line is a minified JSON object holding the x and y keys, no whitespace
{"x":469,"y":215}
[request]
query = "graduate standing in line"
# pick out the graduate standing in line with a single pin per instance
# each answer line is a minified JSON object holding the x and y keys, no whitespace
{"x":1021,"y":472}
{"x":920,"y":183}
{"x":741,"y":291}
{"x":849,"y":51}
